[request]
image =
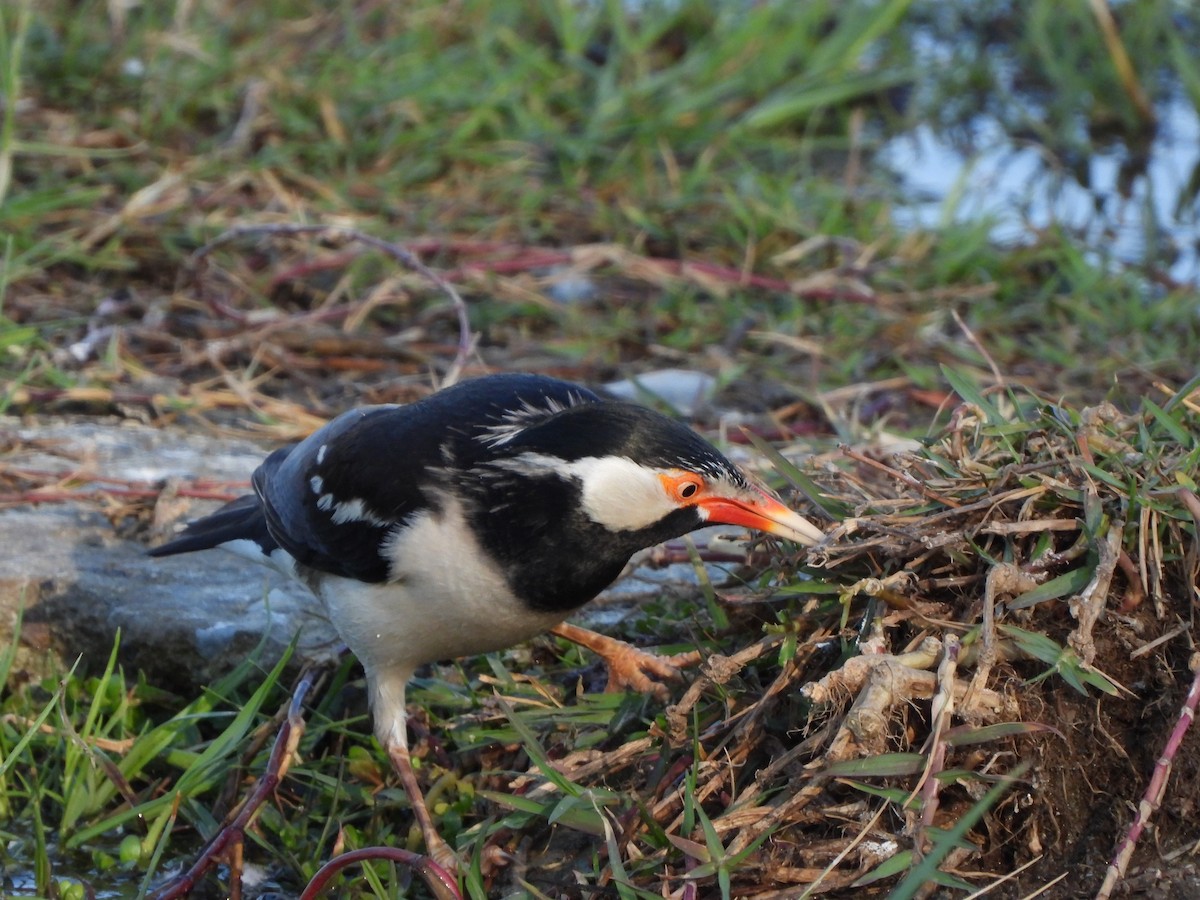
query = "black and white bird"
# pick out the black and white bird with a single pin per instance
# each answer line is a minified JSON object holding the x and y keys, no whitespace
{"x":477,"y":518}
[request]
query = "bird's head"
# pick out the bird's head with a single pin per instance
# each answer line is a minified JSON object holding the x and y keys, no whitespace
{"x":624,"y":494}
{"x":639,"y":473}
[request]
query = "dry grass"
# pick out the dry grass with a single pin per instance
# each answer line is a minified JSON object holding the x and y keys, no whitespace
{"x":974,"y":680}
{"x":1002,"y":607}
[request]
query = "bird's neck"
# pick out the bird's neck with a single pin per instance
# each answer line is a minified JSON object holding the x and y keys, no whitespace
{"x":557,"y":559}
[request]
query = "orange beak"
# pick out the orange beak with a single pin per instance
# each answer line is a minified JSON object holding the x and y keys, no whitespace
{"x":762,"y":513}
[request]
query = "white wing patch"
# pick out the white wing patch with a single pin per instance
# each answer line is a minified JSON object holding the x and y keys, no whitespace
{"x":354,"y":510}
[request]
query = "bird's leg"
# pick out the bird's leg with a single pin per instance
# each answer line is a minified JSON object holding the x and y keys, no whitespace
{"x":629,"y":667}
{"x":437,"y":848}
{"x":386,"y":685}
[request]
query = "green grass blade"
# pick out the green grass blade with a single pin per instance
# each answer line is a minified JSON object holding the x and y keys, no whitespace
{"x":1064,"y":585}
{"x":1178,"y":433}
{"x":36,"y":725}
{"x":886,"y":765}
{"x":798,"y":479}
{"x":970,"y":392}
{"x":205,"y":767}
{"x":926,"y":871}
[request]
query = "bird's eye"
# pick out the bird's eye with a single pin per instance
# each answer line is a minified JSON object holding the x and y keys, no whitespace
{"x":681,"y":486}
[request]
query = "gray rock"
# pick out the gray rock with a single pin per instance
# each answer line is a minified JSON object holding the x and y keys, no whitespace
{"x":182,"y":620}
{"x":683,"y":390}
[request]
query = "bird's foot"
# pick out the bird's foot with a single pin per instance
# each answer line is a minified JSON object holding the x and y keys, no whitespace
{"x":630,"y":668}
{"x":439,"y":851}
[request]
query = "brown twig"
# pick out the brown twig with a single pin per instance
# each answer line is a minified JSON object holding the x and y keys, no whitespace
{"x":1089,"y":604}
{"x":941,"y":711}
{"x":899,"y":476}
{"x":398,"y":252}
{"x":1136,"y":592}
{"x":978,"y":345}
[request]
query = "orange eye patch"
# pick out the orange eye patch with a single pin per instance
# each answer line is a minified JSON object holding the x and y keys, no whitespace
{"x":682,"y":486}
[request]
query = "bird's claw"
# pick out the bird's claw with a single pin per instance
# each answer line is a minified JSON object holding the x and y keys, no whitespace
{"x":441,"y":854}
{"x":632,"y":669}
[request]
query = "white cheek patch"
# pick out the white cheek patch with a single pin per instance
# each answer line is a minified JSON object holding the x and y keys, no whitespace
{"x":617,"y":493}
{"x":620,"y":494}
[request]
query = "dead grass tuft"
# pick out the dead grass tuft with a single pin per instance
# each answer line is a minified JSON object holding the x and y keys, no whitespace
{"x":1019,"y":588}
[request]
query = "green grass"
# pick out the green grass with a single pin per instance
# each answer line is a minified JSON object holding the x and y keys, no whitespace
{"x":714,"y":132}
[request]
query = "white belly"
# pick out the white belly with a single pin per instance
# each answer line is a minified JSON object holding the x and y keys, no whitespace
{"x":446,"y":598}
{"x":413,"y":622}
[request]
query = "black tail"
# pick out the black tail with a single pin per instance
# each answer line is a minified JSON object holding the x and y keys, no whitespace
{"x":242,"y":519}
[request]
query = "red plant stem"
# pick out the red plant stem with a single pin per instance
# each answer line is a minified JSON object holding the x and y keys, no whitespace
{"x":42,"y":495}
{"x":1157,"y":787}
{"x":438,"y":879}
{"x":397,"y":252}
{"x":233,"y":832}
{"x":79,"y":474}
{"x":200,"y":489}
{"x":1152,"y":798}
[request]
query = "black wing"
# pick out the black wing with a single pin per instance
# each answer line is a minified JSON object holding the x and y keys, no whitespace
{"x":332,"y":500}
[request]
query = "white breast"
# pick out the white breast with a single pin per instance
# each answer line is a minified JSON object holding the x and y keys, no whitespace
{"x":445,"y":598}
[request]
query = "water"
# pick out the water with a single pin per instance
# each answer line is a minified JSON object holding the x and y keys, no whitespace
{"x":1132,"y":213}
{"x":999,"y":130}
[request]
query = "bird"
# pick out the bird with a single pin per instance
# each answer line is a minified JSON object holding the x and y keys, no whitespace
{"x":474,"y":519}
